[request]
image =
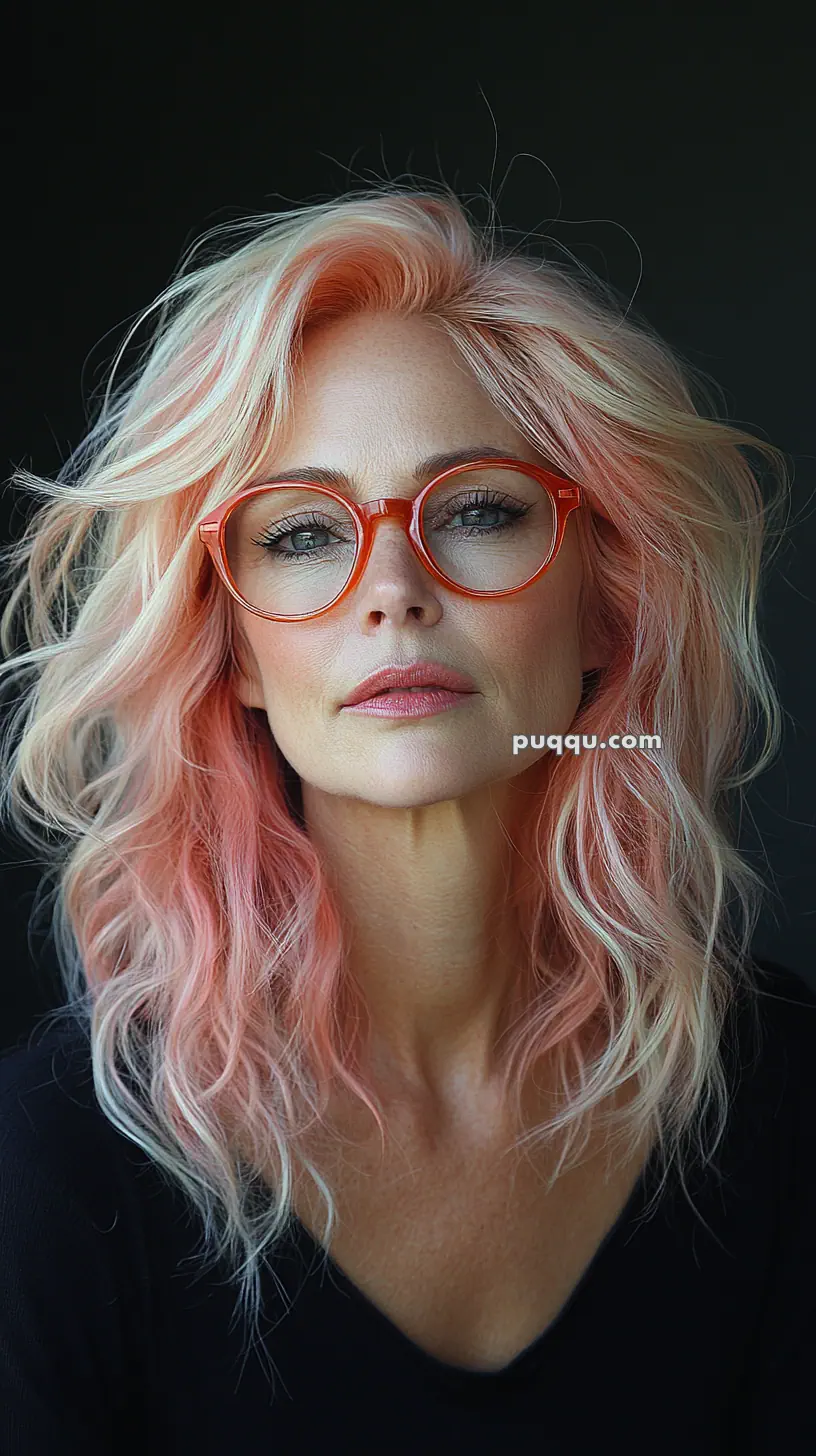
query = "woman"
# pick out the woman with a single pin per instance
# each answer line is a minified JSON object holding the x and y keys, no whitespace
{"x":359,"y":957}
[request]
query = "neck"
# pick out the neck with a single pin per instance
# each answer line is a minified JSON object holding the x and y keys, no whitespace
{"x":432,"y":942}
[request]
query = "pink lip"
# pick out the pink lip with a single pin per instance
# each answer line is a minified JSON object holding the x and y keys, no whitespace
{"x":409,"y":705}
{"x":420,"y":674}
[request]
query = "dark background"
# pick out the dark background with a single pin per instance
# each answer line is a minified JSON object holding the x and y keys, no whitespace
{"x":669,"y":150}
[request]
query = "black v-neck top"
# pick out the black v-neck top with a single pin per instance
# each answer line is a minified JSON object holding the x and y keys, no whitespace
{"x":689,"y":1332}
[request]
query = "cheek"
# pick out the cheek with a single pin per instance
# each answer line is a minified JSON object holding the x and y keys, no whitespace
{"x":529,"y":636}
{"x":295,"y":671}
{"x":536,"y":657}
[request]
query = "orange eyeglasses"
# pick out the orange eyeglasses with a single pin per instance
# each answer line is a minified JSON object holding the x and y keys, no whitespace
{"x":245,"y":536}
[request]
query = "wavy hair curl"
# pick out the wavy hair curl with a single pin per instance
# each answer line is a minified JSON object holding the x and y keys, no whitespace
{"x":199,"y":944}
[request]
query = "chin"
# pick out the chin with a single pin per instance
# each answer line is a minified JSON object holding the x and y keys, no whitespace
{"x":416,"y":792}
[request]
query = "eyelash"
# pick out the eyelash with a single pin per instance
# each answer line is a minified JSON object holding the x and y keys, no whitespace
{"x":479,"y":500}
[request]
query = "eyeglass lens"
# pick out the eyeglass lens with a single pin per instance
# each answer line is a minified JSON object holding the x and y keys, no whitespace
{"x":291,"y":550}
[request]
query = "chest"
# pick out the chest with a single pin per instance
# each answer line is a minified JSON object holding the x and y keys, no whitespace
{"x":466,"y":1250}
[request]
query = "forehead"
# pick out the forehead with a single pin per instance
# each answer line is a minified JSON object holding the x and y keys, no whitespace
{"x":383,"y":338}
{"x":420,"y":473}
{"x":356,"y":362}
{"x":376,"y":381}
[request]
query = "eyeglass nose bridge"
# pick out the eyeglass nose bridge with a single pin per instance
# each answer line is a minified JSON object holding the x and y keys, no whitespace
{"x":394,"y":506}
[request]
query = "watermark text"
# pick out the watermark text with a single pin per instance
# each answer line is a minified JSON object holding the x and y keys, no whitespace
{"x":577,"y":742}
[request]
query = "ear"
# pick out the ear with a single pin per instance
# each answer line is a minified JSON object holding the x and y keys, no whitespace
{"x":593,"y":653}
{"x":247,"y":691}
{"x":595,"y":648}
{"x":246,"y":676}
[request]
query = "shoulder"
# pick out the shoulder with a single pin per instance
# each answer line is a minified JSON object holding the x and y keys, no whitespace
{"x":63,"y":1161}
{"x":785,"y":1013}
{"x":780,"y":985}
{"x":770,"y":1051}
{"x":777,"y":1404}
{"x":74,"y":1273}
{"x":46,"y":1094}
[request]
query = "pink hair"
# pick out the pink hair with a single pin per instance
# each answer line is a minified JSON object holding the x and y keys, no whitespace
{"x":197,"y":937}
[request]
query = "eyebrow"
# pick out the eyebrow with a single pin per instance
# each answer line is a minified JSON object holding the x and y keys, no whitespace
{"x":425,"y":470}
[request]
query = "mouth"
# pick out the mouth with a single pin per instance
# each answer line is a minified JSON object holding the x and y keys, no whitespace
{"x":417,"y":701}
{"x":399,"y":692}
{"x":413,"y":680}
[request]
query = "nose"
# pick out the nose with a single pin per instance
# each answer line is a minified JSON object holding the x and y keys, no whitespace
{"x":391,"y":548}
{"x":395,"y":581}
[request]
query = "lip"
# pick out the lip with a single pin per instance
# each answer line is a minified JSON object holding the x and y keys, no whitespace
{"x":418,"y":675}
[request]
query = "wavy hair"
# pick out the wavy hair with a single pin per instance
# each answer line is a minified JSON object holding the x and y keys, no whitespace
{"x":198,"y":941}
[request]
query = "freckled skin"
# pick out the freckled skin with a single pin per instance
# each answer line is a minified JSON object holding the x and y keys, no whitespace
{"x":407,"y":808}
{"x":376,"y":394}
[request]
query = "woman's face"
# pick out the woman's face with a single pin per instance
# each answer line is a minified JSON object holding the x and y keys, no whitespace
{"x":376,"y":394}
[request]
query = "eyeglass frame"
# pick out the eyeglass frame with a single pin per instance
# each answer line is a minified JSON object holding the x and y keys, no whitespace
{"x":566,"y":497}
